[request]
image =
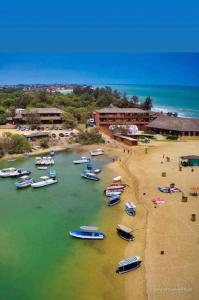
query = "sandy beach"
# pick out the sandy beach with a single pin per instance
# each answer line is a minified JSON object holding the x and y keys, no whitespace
{"x":165,"y":228}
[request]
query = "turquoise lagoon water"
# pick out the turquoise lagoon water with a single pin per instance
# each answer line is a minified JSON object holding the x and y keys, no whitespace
{"x":184,"y":100}
{"x":38,"y":259}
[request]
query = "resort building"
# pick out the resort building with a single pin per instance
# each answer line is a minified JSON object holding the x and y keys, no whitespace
{"x":175,"y":126}
{"x":108,"y":116}
{"x":48,"y":115}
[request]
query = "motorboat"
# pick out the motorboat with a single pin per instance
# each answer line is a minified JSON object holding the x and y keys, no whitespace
{"x":90,"y":176}
{"x":90,"y":169}
{"x":52,"y":153}
{"x":130,"y":208}
{"x":87,"y":232}
{"x":44,"y":161}
{"x":113,"y":191}
{"x":53,"y":173}
{"x":13,"y":172}
{"x":44,"y":181}
{"x":83,"y":160}
{"x":24,"y":182}
{"x":110,"y":194}
{"x":97,"y":171}
{"x":96,"y":152}
{"x":125,"y":232}
{"x":12,"y":159}
{"x":128,"y":264}
{"x":113,"y":200}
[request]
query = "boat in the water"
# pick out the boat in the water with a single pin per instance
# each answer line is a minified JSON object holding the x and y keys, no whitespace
{"x":90,"y":176}
{"x":110,"y":193}
{"x":52,"y":173}
{"x":44,"y":161}
{"x":83,"y":160}
{"x":42,"y":168}
{"x":130,"y":208}
{"x":128,"y":264}
{"x":52,"y":153}
{"x":13,"y":172}
{"x":87,"y":232}
{"x":89,"y":168}
{"x":125,"y":232}
{"x":113,"y":200}
{"x":12,"y":159}
{"x":97,"y":152}
{"x":44,"y":181}
{"x":24,"y":182}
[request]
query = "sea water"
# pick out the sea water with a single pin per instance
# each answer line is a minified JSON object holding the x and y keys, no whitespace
{"x":183,"y":100}
{"x":38,"y":258}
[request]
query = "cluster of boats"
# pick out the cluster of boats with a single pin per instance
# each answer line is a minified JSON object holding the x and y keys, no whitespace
{"x":85,"y":159}
{"x":44,"y":161}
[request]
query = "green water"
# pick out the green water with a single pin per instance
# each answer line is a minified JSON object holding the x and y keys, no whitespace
{"x":38,"y":260}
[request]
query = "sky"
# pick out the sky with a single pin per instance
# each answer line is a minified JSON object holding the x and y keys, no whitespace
{"x":100,"y":68}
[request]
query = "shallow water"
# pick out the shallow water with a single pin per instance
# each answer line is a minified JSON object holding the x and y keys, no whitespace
{"x":38,"y":259}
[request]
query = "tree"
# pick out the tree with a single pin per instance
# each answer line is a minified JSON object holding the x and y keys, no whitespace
{"x":44,"y":143}
{"x":32,"y":118}
{"x":15,"y":143}
{"x":68,"y":120}
{"x":3,"y":116}
{"x":147,"y":104}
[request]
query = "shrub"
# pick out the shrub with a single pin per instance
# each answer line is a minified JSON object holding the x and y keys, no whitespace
{"x":89,"y":137}
{"x":44,"y":143}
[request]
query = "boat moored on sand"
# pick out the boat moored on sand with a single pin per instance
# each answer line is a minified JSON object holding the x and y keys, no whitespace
{"x":87,"y":232}
{"x":130,"y":208}
{"x":113,"y":200}
{"x":97,"y":152}
{"x":110,"y":193}
{"x":128,"y":264}
{"x":44,"y":181}
{"x":125,"y":232}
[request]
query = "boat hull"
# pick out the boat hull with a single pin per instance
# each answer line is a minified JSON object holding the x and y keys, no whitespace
{"x":122,"y":270}
{"x":42,"y":184}
{"x":87,"y":235}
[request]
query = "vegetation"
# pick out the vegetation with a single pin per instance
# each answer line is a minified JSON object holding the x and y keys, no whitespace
{"x":69,"y":120}
{"x":2,"y":115}
{"x":44,"y":142}
{"x":13,"y":144}
{"x":89,"y":137}
{"x":80,"y":104}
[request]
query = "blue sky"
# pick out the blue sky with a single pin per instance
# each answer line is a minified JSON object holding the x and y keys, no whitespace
{"x":101,"y":68}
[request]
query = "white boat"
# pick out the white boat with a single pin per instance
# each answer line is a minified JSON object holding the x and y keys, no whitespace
{"x":110,"y":194}
{"x":96,"y":152}
{"x":44,"y":161}
{"x":24,"y":182}
{"x":13,"y":172}
{"x":88,"y":233}
{"x":83,"y":160}
{"x":42,"y":168}
{"x":118,"y":178}
{"x":12,"y":159}
{"x":44,"y":181}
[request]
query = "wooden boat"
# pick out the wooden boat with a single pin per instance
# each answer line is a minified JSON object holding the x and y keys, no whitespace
{"x":87,"y":232}
{"x":24,"y":182}
{"x":90,"y":176}
{"x":97,"y":152}
{"x":125,"y":232}
{"x":113,"y":200}
{"x":115,"y":187}
{"x":44,"y":181}
{"x":128,"y":264}
{"x":83,"y":160}
{"x":130,"y":208}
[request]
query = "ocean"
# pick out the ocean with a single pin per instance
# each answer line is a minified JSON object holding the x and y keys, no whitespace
{"x":38,"y":258}
{"x":183,"y":100}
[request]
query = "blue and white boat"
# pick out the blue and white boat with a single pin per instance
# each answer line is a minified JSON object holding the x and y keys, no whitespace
{"x":113,"y":200}
{"x":90,"y":176}
{"x":88,"y":233}
{"x":24,"y":182}
{"x":130,"y":208}
{"x":110,"y":194}
{"x":83,"y":160}
{"x":52,"y":173}
{"x":128,"y":264}
{"x":90,"y":169}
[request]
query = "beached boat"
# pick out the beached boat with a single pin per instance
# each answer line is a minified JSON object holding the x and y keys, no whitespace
{"x":107,"y":191}
{"x":130,"y":208}
{"x":53,"y":173}
{"x":42,"y":168}
{"x":87,"y":232}
{"x":52,"y":153}
{"x":83,"y":160}
{"x":13,"y":172}
{"x":24,"y":182}
{"x":110,"y":193}
{"x":113,"y":200}
{"x":90,"y":176}
{"x":44,"y":181}
{"x":125,"y":232}
{"x":97,"y":152}
{"x":118,"y":178}
{"x":128,"y":264}
{"x":115,"y":187}
{"x":97,"y":171}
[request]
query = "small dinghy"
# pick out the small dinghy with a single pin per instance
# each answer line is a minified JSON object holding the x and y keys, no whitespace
{"x":113,"y":200}
{"x":130,"y":208}
{"x":83,"y":160}
{"x":44,"y":181}
{"x":115,"y":188}
{"x":90,"y":169}
{"x":128,"y":264}
{"x":42,"y":168}
{"x":125,"y":232}
{"x":90,"y":176}
{"x":110,"y":194}
{"x":24,"y":182}
{"x":97,"y":152}
{"x":118,"y":178}
{"x":87,"y":232}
